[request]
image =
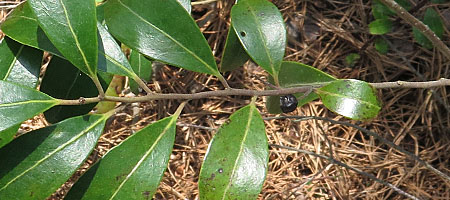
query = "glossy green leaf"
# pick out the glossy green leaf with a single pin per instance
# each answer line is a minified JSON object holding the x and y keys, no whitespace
{"x":234,"y":55}
{"x":6,"y":136}
{"x":294,"y":74}
{"x":142,"y":67}
{"x":434,"y":22}
{"x":36,"y":164}
{"x":186,"y":5}
{"x":133,"y":169}
{"x":19,"y":64}
{"x":169,"y":35}
{"x":260,"y":28}
{"x":235,"y":165}
{"x":21,"y":25}
{"x":112,"y":59}
{"x":381,"y":45}
{"x":62,"y":80}
{"x":19,"y":103}
{"x":380,"y":26}
{"x":353,"y":99}
{"x":71,"y":26}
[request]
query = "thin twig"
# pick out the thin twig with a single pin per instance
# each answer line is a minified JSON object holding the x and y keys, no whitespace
{"x":404,"y":84}
{"x":348,"y":167}
{"x":246,"y":92}
{"x":200,"y":95}
{"x":373,"y":134}
{"x":411,"y":20}
{"x":142,"y":85}
{"x":101,"y":92}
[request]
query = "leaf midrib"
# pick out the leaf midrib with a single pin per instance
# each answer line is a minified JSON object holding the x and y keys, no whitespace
{"x":13,"y":62}
{"x":117,"y":63}
{"x":247,"y":127}
{"x":55,"y":151}
{"x":147,"y":153}
{"x":214,"y":72}
{"x":252,"y":11}
{"x":77,"y":43}
{"x":28,"y":102}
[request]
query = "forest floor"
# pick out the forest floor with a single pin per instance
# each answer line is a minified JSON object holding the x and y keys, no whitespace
{"x":320,"y":34}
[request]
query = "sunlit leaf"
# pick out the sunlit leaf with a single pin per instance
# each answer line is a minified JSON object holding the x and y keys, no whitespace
{"x":133,"y":169}
{"x":111,"y":58}
{"x":235,"y":165}
{"x":22,"y":26}
{"x":186,"y":5}
{"x":294,"y":74}
{"x":261,"y":30}
{"x":71,"y":27}
{"x":169,"y":35}
{"x":36,"y":164}
{"x":29,"y":102}
{"x":19,"y":64}
{"x":354,"y":99}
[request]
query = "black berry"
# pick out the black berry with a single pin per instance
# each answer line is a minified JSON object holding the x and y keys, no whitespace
{"x":288,"y":103}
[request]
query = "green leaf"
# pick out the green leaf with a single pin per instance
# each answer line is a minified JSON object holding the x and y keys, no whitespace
{"x":62,"y":80}
{"x":19,"y":64}
{"x":235,"y":165}
{"x":434,"y":22}
{"x":36,"y":164}
{"x":133,"y":169}
{"x":353,"y":99}
{"x":22,"y":26}
{"x":169,"y":35}
{"x":19,"y":103}
{"x":186,"y":5}
{"x":111,"y":58}
{"x":404,"y":3}
{"x":380,"y":26}
{"x":142,"y":67}
{"x":261,"y":30}
{"x":234,"y":54}
{"x":71,"y":26}
{"x":381,"y":45}
{"x":294,"y":74}
{"x":381,"y":11}
{"x":6,"y":136}
{"x":351,"y":59}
